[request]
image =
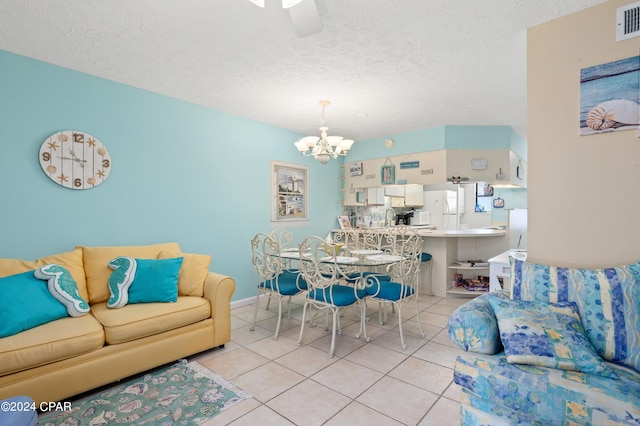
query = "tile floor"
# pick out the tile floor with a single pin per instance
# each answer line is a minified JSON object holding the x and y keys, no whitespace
{"x":375,"y":383}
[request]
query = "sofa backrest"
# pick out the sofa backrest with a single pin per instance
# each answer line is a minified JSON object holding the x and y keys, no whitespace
{"x":96,"y":264}
{"x":608,"y":300}
{"x":72,"y":260}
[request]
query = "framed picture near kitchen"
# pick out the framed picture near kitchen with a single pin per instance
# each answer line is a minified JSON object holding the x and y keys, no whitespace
{"x":289,"y":192}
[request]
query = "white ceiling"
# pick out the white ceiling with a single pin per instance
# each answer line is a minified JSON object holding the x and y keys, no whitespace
{"x":388,"y":66}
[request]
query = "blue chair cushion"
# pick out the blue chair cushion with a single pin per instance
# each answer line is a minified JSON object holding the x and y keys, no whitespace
{"x":288,"y":284}
{"x":425,"y":257}
{"x":339,"y":295}
{"x":353,"y":277}
{"x":389,"y":291}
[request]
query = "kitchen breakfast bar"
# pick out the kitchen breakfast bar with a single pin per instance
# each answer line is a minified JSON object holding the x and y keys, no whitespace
{"x":449,"y":247}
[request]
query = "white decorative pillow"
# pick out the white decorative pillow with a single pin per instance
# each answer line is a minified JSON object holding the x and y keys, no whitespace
{"x":63,"y":287}
{"x":124,"y":271}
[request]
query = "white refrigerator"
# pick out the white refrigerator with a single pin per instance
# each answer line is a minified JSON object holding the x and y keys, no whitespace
{"x":445,"y":206}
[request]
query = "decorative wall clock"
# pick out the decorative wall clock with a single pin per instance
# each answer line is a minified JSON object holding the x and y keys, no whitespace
{"x":75,"y":159}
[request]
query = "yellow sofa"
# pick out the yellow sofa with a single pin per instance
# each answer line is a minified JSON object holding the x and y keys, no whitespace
{"x":72,"y":355}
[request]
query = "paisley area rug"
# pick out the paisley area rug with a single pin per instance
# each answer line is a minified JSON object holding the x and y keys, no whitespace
{"x":185,"y":393}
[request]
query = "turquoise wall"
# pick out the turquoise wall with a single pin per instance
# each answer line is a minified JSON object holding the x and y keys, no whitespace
{"x":443,"y":137}
{"x":181,"y":172}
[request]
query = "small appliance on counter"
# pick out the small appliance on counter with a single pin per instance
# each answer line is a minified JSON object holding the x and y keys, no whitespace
{"x":421,"y":218}
{"x":404,"y":218}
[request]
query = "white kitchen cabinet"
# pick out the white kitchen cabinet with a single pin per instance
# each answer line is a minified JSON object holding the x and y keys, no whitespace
{"x":375,"y":196}
{"x":406,"y":195}
{"x":414,"y":196}
{"x":394,"y":191}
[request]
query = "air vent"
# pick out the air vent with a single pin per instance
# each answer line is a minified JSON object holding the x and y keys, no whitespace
{"x":628,"y":22}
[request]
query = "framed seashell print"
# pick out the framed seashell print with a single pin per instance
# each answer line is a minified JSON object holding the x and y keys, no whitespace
{"x":610,"y":97}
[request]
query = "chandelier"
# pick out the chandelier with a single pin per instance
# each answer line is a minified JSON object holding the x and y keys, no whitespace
{"x":325,"y":147}
{"x":286,"y":4}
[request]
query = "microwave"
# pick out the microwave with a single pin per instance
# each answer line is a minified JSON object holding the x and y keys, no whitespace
{"x":421,"y":218}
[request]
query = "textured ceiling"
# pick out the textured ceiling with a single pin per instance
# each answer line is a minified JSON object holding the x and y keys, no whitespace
{"x":388,"y":66}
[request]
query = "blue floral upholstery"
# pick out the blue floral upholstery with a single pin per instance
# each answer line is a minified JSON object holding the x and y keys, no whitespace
{"x":497,"y":392}
{"x":473,"y":327}
{"x":546,"y":335}
{"x":607,"y":300}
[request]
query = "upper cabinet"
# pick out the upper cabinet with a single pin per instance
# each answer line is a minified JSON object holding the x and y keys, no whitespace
{"x":500,"y":167}
{"x":375,"y":196}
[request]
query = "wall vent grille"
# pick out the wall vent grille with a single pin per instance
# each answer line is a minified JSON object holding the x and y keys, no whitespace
{"x":628,"y":21}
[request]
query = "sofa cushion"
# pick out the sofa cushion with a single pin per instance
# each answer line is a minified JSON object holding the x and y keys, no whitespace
{"x":96,"y":264}
{"x":25,"y":302}
{"x":156,"y":280}
{"x":62,"y":286}
{"x":546,"y":335}
{"x":193,"y":272}
{"x":54,"y":341}
{"x":474,"y":327}
{"x":607,"y":300}
{"x":524,"y":394}
{"x":145,"y":319}
{"x":72,"y":260}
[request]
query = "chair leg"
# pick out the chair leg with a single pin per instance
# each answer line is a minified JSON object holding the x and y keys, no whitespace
{"x":404,"y":345}
{"x":304,"y":314}
{"x":418,"y":315}
{"x":363,"y":321}
{"x":255,"y":313}
{"x":333,"y":333}
{"x":275,"y":336}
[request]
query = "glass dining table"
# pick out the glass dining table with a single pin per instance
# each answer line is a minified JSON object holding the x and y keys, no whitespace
{"x":352,"y":265}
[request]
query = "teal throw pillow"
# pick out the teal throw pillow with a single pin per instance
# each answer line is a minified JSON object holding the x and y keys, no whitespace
{"x":546,"y":335}
{"x":25,"y":302}
{"x":64,"y":288}
{"x":124,"y":271}
{"x":156,"y":280}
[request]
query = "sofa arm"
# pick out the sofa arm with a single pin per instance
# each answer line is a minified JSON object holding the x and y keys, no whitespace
{"x":474,"y":327}
{"x":218,"y":289}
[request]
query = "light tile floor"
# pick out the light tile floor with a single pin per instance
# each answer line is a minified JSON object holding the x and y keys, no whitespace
{"x":375,"y":383}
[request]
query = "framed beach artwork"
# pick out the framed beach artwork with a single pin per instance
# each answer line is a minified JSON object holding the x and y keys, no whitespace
{"x":289,"y":192}
{"x":388,"y":173}
{"x":610,"y":97}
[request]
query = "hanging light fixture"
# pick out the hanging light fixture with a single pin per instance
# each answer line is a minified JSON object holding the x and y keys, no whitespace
{"x":325,"y":147}
{"x":286,"y":4}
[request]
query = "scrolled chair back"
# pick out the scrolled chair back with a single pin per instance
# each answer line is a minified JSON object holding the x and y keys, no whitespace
{"x":349,"y":237}
{"x":283,"y":237}
{"x":264,"y":256}
{"x":392,"y":240}
{"x":318,"y":269}
{"x":409,"y":247}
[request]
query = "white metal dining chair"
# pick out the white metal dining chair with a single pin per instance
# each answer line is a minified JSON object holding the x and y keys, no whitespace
{"x":273,"y":280}
{"x":322,"y":274}
{"x":351,"y":238}
{"x":403,"y":287}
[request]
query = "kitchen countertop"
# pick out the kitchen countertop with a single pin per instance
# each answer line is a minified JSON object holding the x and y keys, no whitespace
{"x":435,"y":233}
{"x":464,"y":233}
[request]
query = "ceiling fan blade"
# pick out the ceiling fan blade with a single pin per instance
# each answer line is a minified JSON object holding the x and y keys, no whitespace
{"x":305,"y":18}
